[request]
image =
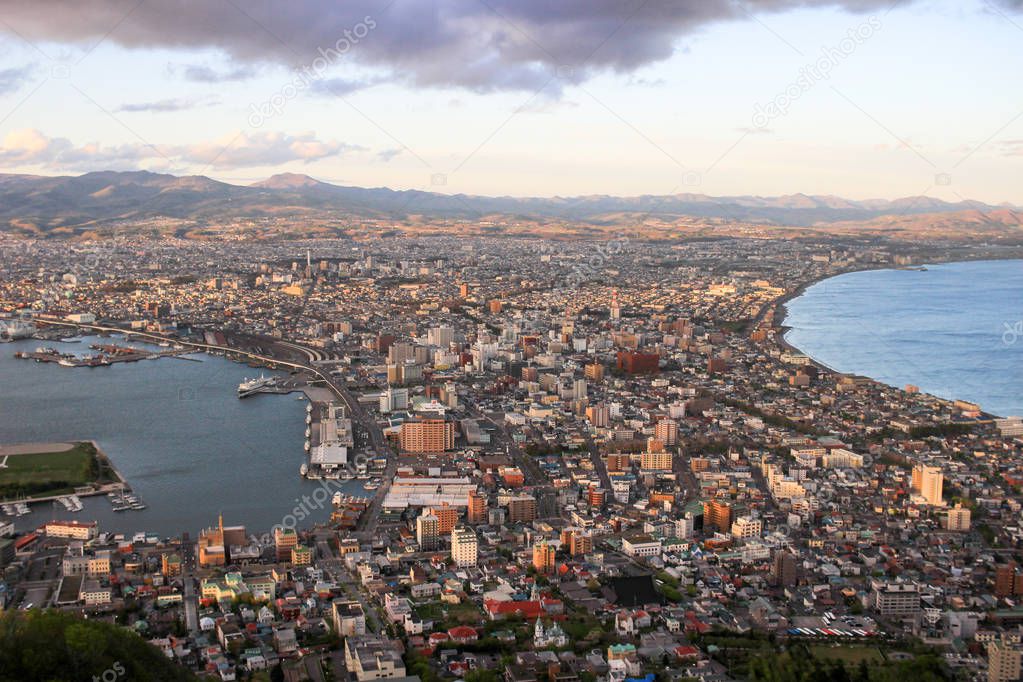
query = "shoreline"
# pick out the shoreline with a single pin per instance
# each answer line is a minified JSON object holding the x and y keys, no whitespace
{"x":42,"y":448}
{"x":780,"y":312}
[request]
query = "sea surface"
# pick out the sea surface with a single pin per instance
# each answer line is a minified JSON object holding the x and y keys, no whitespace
{"x":955,"y":329}
{"x":177,"y":432}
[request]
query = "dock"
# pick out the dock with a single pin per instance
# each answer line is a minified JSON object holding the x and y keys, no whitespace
{"x":106,"y":355}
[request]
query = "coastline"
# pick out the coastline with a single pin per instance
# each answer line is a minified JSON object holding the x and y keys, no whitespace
{"x":97,"y":487}
{"x":780,"y":312}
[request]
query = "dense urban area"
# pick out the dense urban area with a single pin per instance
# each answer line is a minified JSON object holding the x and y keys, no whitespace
{"x":585,"y":461}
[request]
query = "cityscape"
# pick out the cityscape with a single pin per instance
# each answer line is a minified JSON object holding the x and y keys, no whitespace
{"x":485,"y":340}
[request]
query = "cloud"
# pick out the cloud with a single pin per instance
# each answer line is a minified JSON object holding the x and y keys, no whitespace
{"x":12,"y":79}
{"x":200,"y":73}
{"x":339,"y":87}
{"x":261,"y":149}
{"x":479,"y":46}
{"x":386,"y":155}
{"x":1010,"y":147}
{"x":164,"y":105}
{"x":30,"y":147}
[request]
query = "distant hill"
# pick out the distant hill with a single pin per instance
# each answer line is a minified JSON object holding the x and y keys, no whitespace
{"x":92,"y":203}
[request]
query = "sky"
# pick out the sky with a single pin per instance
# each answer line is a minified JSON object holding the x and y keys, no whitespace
{"x":860,"y":99}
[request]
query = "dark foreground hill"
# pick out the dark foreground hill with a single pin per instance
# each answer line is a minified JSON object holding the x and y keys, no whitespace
{"x":56,"y":646}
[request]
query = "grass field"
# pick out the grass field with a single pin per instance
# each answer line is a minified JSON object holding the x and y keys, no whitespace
{"x":49,"y":473}
{"x":849,"y":654}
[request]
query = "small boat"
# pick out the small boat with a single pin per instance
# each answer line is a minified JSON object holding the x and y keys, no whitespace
{"x":308,"y":445}
{"x":138,"y":506}
{"x":66,"y":362}
{"x":303,"y":470}
{"x":22,"y":508}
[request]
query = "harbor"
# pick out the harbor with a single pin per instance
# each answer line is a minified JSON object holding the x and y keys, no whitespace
{"x":148,"y":416}
{"x":106,"y":355}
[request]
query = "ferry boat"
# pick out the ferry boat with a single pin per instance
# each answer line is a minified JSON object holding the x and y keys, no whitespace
{"x":249,"y":385}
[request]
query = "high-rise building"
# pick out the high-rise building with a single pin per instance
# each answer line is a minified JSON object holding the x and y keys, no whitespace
{"x":522,"y":509}
{"x":958,"y":519}
{"x":447,"y":517}
{"x":440,"y":336}
{"x":655,"y":461}
{"x":898,"y":600}
{"x":476,"y":509}
{"x":717,"y":515}
{"x":634,"y":362}
{"x":577,"y":540}
{"x":927,"y":483}
{"x":1003,"y":661}
{"x":393,"y":399}
{"x":594,"y":372}
{"x":598,"y":415}
{"x":428,"y":532}
{"x":543,"y":557}
{"x":285,"y":539}
{"x":464,"y":547}
{"x":427,"y":435}
{"x":744,"y":528}
{"x":666,"y":431}
{"x":784,"y":570}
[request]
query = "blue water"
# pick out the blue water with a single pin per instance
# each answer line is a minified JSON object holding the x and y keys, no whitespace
{"x":955,"y":330}
{"x":176,"y":431}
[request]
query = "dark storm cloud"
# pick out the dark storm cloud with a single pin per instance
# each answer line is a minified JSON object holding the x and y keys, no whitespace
{"x":481,"y":45}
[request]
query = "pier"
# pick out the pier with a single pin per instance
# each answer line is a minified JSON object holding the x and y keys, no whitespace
{"x":106,"y":355}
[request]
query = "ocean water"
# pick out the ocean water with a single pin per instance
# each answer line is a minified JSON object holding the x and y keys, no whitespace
{"x":175,"y":429}
{"x":955,"y":329}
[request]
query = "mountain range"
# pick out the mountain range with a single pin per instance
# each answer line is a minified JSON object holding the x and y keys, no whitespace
{"x":89,"y":204}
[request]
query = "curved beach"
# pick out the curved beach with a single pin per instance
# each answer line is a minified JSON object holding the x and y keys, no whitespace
{"x":941,"y":328}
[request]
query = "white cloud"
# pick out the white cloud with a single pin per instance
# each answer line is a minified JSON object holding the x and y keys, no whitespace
{"x":31,"y":148}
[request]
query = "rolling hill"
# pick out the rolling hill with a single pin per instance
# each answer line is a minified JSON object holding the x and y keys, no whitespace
{"x":90,"y":204}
